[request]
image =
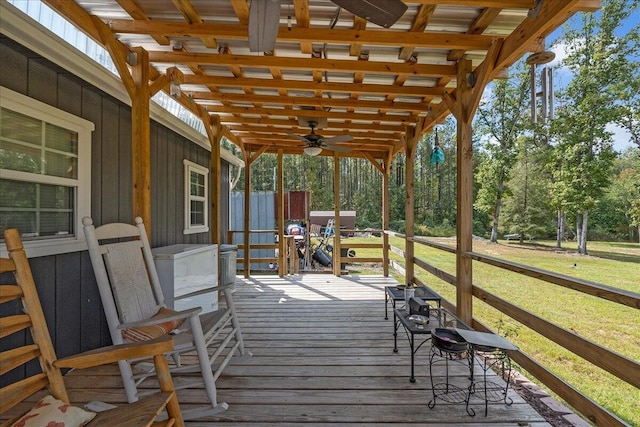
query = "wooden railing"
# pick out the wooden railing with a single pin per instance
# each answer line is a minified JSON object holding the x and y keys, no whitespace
{"x":346,"y":244}
{"x":620,"y":366}
{"x":289,"y":258}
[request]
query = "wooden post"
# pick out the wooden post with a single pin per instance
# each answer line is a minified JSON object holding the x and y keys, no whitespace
{"x":409,"y":203}
{"x":247,"y":219}
{"x":385,"y":215}
{"x":464,"y":214}
{"x":216,"y":181}
{"x":336,"y":225}
{"x":282,"y":246}
{"x":140,"y":135}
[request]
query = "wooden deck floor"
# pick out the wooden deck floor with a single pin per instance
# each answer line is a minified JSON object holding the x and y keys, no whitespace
{"x":322,"y":356}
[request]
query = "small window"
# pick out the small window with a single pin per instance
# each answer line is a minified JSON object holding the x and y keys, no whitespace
{"x":196,"y":214}
{"x":45,"y":173}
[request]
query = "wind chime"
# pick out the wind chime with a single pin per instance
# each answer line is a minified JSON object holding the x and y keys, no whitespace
{"x":546,"y":82}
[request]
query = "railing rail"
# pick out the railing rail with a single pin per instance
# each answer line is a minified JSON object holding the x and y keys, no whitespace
{"x":620,"y":366}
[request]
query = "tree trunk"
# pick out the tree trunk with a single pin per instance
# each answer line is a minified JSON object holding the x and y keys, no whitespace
{"x":579,"y":231}
{"x":583,"y":232}
{"x":498,"y":206}
{"x":560,"y":229}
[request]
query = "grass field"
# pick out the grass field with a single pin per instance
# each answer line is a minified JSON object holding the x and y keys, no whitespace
{"x":611,"y":325}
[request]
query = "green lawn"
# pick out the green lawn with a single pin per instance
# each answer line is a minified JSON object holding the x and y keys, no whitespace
{"x":606,"y":323}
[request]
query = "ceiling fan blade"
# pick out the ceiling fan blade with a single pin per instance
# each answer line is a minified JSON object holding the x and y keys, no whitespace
{"x":264,"y":20}
{"x":381,"y":12}
{"x":338,"y":148}
{"x":339,"y":138}
{"x":301,"y":138}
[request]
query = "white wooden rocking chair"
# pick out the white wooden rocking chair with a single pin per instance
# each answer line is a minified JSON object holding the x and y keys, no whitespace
{"x":17,"y":396}
{"x":135,"y":309}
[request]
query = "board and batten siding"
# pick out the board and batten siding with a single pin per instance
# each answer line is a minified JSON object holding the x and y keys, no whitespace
{"x":65,"y":282}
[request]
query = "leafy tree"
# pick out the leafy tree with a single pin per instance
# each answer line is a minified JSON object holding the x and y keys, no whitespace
{"x":596,"y":56}
{"x":501,"y":120}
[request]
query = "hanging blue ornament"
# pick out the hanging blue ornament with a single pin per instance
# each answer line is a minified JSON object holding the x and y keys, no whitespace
{"x":437,"y":155}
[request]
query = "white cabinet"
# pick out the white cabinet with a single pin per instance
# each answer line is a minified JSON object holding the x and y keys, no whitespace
{"x":187,"y":268}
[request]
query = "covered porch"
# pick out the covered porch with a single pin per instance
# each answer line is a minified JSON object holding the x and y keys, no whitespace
{"x":322,"y":356}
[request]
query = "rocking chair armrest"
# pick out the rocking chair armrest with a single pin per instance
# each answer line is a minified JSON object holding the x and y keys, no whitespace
{"x":114,"y":353}
{"x":183,"y":314}
{"x":200,"y":292}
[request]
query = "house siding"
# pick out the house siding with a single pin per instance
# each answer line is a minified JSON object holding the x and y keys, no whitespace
{"x":65,"y":282}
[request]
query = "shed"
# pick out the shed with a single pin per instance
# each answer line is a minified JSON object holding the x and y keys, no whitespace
{"x":347,"y":218}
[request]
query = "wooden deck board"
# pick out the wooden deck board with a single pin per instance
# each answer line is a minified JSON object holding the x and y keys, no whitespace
{"x":322,"y":356}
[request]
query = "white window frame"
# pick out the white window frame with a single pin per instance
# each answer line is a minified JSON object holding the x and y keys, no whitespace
{"x":20,"y":103}
{"x":188,"y":227}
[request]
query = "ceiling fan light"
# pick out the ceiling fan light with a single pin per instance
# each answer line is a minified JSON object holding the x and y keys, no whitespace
{"x":312,"y":151}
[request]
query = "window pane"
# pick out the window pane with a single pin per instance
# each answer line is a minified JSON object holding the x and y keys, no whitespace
{"x":61,"y":139}
{"x":197,"y":213}
{"x":61,"y":165}
{"x":16,"y":195}
{"x":36,"y":209}
{"x":197,"y":184}
{"x":19,"y":127}
{"x":21,"y":158}
{"x":56,"y":223}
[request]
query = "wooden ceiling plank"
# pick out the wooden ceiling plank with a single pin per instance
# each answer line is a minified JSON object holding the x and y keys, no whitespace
{"x":324,"y":86}
{"x":191,"y":14}
{"x":434,"y":40}
{"x":308,"y":64}
{"x":419,"y":25}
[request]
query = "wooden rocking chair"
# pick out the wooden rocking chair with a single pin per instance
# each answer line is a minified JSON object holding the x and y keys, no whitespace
{"x":135,"y":309}
{"x":142,"y":413}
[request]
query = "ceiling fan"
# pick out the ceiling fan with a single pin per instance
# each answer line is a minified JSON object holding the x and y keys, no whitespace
{"x":264,"y":18}
{"x":316,"y":143}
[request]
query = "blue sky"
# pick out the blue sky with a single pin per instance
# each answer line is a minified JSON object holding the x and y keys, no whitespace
{"x":562,"y":76}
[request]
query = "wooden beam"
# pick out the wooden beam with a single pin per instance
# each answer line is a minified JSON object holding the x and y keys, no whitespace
{"x":140,"y":140}
{"x":550,"y":16}
{"x":419,"y":25}
{"x":309,"y":64}
{"x":386,"y":212}
{"x":432,"y":40}
{"x":307,"y":101}
{"x":135,"y":12}
{"x":336,"y":213}
{"x":289,"y":112}
{"x":282,"y":247}
{"x":247,"y":217}
{"x":303,"y":20}
{"x":478,"y":26}
{"x":416,"y":91}
{"x":293,"y":125}
{"x":215,"y":191}
{"x":191,"y":14}
{"x":464,"y":188}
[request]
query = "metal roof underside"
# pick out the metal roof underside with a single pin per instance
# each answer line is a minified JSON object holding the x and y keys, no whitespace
{"x":370,"y":82}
